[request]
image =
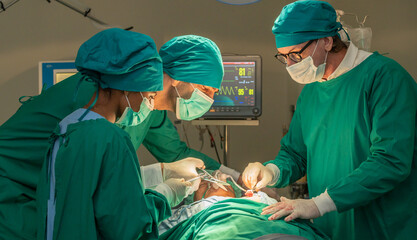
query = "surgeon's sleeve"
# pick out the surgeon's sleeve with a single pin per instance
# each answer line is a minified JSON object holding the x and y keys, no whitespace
{"x":164,"y":142}
{"x":291,"y":160}
{"x":392,"y":104}
{"x":122,"y":207}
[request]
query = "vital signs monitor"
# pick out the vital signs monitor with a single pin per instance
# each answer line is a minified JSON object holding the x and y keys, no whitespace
{"x":240,"y":95}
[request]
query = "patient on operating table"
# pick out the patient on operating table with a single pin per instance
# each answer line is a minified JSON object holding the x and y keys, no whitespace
{"x":219,"y":214}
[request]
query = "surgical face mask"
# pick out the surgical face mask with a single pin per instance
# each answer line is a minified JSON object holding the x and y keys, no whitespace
{"x":305,"y":71}
{"x":195,"y":107}
{"x":132,"y":118}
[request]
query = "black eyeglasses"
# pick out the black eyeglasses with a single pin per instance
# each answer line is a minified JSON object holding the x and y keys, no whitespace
{"x":294,"y":56}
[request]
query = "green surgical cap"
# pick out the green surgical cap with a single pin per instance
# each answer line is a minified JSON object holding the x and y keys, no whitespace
{"x":305,"y":20}
{"x":193,"y":59}
{"x":122,"y":60}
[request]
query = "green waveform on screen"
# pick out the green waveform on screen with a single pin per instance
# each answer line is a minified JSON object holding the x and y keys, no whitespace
{"x":225,"y":90}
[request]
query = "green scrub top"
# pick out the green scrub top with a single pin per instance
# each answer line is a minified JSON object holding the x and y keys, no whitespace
{"x":98,"y":188}
{"x":355,"y":136}
{"x":238,"y":218}
{"x":24,"y":141}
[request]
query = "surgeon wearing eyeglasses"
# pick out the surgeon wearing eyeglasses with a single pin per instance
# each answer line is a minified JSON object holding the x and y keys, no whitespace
{"x":353,"y":132}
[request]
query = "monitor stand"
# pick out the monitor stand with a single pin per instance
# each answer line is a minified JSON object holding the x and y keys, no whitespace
{"x":226,"y":123}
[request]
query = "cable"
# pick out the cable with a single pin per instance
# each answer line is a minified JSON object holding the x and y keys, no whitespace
{"x":185,"y":133}
{"x":213,"y":143}
{"x":201,"y":136}
{"x":221,"y":137}
{"x":4,"y":5}
{"x":85,"y":13}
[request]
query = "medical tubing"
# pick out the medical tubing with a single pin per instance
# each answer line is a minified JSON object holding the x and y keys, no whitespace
{"x":213,"y":142}
{"x":237,"y":185}
{"x":201,"y":136}
{"x":221,"y":138}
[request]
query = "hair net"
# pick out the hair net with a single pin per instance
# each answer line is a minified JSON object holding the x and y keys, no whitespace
{"x":305,"y":20}
{"x":193,"y":59}
{"x":122,"y":60}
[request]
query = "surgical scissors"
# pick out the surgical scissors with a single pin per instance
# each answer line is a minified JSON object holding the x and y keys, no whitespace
{"x":248,"y":192}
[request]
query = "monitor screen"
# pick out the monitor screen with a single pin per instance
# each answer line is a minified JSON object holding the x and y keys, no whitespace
{"x":240,"y":93}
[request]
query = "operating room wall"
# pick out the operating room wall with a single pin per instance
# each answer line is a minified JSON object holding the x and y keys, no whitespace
{"x":35,"y":30}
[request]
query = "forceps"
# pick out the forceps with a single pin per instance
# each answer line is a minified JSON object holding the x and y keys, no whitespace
{"x":204,"y":175}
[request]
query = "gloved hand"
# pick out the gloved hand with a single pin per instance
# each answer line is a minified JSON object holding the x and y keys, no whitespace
{"x":174,"y":189}
{"x":298,"y":208}
{"x":256,"y":176}
{"x":185,"y":168}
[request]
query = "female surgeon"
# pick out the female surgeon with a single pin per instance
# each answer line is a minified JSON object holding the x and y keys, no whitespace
{"x":24,"y":137}
{"x":90,"y":186}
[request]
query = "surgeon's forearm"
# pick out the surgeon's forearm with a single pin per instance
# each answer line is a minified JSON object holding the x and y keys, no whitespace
{"x":274,"y":168}
{"x":324,"y":203}
{"x":151,"y":175}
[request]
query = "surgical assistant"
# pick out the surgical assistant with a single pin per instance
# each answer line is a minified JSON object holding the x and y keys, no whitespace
{"x":353,"y":132}
{"x":24,"y":137}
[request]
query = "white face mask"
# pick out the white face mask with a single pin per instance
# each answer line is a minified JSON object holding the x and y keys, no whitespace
{"x":305,"y":71}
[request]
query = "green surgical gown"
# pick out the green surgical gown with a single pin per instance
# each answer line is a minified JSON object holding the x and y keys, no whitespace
{"x":355,"y":136}
{"x":161,"y":138}
{"x":238,"y":219}
{"x":99,"y":191}
{"x":24,"y":141}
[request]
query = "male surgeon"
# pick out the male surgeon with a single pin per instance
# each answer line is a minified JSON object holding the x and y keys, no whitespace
{"x":193,"y":72}
{"x":353,"y":133}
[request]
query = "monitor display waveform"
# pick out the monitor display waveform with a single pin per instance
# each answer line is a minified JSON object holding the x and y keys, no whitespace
{"x":238,"y":85}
